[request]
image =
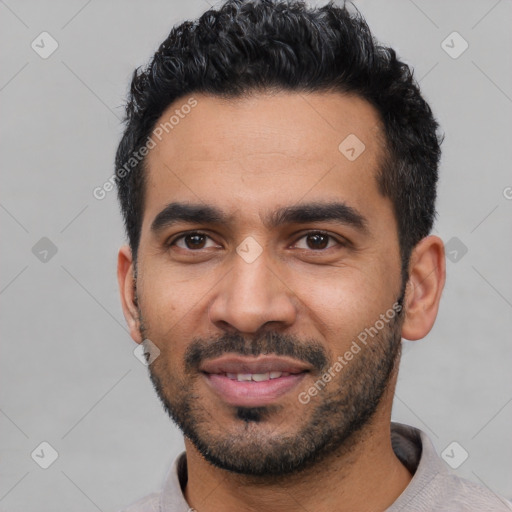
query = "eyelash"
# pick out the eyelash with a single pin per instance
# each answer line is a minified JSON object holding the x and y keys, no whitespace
{"x":173,"y":241}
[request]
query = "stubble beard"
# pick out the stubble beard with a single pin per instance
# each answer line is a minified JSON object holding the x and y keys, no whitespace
{"x":333,"y":419}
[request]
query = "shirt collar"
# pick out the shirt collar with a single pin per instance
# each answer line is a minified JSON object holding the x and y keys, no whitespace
{"x":412,"y":446}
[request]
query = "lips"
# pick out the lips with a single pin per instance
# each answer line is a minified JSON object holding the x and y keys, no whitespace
{"x":256,"y":377}
{"x":249,"y":381}
{"x":254,"y":366}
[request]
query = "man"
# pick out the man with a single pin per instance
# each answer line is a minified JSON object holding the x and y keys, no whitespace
{"x":277,"y":178}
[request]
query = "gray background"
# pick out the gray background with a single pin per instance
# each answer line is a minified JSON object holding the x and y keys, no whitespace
{"x":68,"y":373}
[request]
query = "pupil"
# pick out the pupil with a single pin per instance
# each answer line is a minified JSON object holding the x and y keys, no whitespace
{"x":196,"y":240}
{"x":316,"y":238}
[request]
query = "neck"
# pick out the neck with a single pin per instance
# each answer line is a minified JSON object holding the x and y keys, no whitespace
{"x":363,"y":475}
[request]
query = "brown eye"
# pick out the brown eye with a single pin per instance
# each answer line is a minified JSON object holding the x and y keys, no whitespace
{"x":195,"y":241}
{"x":318,"y":241}
{"x":191,"y":241}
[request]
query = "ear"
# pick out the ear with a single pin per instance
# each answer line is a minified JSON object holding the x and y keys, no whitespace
{"x":125,"y":278}
{"x":427,"y":275}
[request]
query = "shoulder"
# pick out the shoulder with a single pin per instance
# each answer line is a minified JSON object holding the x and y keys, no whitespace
{"x":170,"y":498}
{"x":149,"y":503}
{"x":458,"y":494}
{"x":434,"y":486}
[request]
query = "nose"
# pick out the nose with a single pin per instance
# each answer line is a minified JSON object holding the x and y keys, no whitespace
{"x":250,"y":296}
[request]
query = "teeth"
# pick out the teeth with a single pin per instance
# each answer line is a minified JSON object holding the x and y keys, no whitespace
{"x":257,"y":377}
{"x":260,"y":376}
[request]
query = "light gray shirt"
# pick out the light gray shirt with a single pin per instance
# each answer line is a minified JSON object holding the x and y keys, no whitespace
{"x":433,"y":487}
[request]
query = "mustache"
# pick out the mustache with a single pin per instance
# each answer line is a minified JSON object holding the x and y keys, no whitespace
{"x":309,"y":351}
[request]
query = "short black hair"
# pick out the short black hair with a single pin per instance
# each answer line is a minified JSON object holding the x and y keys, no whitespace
{"x":246,"y":46}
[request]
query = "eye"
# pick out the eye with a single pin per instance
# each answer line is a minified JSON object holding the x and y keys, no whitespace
{"x":318,"y":241}
{"x":191,"y":241}
{"x":314,"y":240}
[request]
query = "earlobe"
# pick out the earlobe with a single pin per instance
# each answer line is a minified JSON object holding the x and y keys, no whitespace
{"x":125,"y":278}
{"x":427,"y":275}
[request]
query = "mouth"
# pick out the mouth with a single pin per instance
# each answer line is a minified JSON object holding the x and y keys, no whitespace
{"x":253,"y":381}
{"x":254,"y":377}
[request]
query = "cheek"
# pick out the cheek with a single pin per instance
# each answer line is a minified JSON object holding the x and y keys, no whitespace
{"x":343,"y":302}
{"x":168,"y":293}
{"x":166,"y":309}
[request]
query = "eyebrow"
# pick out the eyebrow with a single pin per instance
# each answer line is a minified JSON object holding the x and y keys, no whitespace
{"x":191,"y":213}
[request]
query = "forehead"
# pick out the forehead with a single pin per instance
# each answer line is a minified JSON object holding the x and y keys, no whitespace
{"x":264,"y":148}
{"x":278,"y":122}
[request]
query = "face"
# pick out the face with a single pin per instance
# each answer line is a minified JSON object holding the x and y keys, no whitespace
{"x":267,"y":255}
